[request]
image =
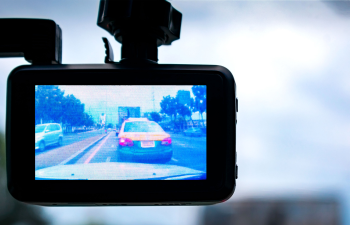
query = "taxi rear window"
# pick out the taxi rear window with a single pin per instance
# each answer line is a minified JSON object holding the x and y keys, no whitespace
{"x":142,"y":126}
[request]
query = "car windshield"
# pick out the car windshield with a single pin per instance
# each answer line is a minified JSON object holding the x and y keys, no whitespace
{"x":142,"y":126}
{"x":39,"y":128}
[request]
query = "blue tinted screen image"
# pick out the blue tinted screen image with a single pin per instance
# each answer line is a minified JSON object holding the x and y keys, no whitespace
{"x":124,"y":132}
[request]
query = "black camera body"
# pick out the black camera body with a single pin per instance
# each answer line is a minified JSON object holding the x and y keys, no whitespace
{"x":128,"y":133}
{"x":218,"y":186}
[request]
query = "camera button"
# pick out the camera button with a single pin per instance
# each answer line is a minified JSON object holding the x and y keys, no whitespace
{"x":236,"y":104}
{"x":236,"y":172}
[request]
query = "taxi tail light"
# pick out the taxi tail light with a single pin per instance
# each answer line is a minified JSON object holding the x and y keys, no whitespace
{"x":166,"y":141}
{"x":125,"y":142}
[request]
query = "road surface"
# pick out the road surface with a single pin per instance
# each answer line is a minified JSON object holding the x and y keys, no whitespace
{"x":188,"y":152}
{"x":70,"y":138}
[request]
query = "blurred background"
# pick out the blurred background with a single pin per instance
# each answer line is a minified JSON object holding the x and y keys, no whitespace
{"x":290,"y":60}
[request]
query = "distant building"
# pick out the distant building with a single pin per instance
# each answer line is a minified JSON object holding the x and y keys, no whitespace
{"x":125,"y":112}
{"x":184,"y":97}
{"x":103,"y":119}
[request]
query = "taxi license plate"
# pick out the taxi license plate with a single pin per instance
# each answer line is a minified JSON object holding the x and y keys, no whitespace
{"x":147,"y":144}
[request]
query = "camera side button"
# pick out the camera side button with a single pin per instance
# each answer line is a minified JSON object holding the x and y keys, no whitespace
{"x":236,"y":104}
{"x":236,"y":172}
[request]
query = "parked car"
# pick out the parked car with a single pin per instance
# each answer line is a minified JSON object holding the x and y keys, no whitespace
{"x":47,"y":134}
{"x":142,"y":139}
{"x":194,"y":132}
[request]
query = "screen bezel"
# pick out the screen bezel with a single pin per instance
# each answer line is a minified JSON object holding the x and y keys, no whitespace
{"x":220,"y":92}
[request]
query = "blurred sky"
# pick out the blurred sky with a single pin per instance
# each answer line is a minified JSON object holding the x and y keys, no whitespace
{"x":290,"y":61}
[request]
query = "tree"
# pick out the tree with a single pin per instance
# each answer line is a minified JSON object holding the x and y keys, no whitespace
{"x":87,"y":120}
{"x":183,"y":103}
{"x":52,"y":106}
{"x":12,"y":211}
{"x":200,"y":102}
{"x":168,"y":106}
{"x":156,"y":117}
{"x":184,"y":110}
{"x":48,"y":104}
{"x":73,"y":111}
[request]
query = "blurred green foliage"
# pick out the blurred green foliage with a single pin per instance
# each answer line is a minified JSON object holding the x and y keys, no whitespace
{"x":12,"y":211}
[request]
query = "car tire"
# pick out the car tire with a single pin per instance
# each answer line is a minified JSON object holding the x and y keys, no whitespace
{"x":60,"y":140}
{"x":42,"y":146}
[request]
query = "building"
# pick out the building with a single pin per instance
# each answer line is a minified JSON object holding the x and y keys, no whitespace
{"x":103,"y":119}
{"x":184,"y":97}
{"x":125,"y":112}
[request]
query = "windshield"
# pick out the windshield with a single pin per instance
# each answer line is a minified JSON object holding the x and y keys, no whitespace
{"x":142,"y":126}
{"x":40,"y":128}
{"x":123,"y":132}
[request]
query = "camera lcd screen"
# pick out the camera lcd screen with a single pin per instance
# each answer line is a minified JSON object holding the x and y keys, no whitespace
{"x":125,"y":132}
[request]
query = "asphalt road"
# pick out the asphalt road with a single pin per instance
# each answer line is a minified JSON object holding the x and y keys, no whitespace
{"x":189,"y":152}
{"x":70,"y":138}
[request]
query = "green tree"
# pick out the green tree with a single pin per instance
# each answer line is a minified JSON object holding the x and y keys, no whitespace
{"x":156,"y":117}
{"x":168,"y":106}
{"x":184,"y":110}
{"x":200,"y":101}
{"x":73,"y":111}
{"x":12,"y":211}
{"x":87,"y":120}
{"x":52,"y":106}
{"x":48,"y":104}
{"x":183,"y":107}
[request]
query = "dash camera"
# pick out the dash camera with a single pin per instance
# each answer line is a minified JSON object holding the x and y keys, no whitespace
{"x":133,"y":132}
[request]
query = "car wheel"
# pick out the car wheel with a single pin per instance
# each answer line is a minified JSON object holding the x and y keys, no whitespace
{"x":60,"y":140}
{"x":42,"y":146}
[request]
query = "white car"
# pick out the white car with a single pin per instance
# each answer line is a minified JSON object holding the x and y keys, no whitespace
{"x":47,"y":134}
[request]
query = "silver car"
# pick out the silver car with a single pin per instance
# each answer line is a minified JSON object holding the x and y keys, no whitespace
{"x":48,"y":134}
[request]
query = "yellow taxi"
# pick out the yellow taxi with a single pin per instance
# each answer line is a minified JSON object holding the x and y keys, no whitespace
{"x":142,"y":139}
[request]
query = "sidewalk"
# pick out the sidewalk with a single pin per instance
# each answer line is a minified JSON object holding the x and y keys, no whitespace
{"x":58,"y":155}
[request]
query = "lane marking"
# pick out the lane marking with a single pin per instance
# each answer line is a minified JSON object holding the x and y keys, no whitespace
{"x":78,"y":152}
{"x":108,"y":159}
{"x":174,"y":159}
{"x":97,"y":149}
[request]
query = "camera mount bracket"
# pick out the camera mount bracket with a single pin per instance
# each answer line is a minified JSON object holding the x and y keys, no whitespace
{"x":140,"y":26}
{"x":39,"y":41}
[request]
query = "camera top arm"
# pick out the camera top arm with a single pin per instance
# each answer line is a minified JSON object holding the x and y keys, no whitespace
{"x":39,"y":41}
{"x":140,"y":26}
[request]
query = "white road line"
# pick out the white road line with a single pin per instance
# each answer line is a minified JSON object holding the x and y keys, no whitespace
{"x":80,"y":151}
{"x":108,"y":159}
{"x":174,"y":159}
